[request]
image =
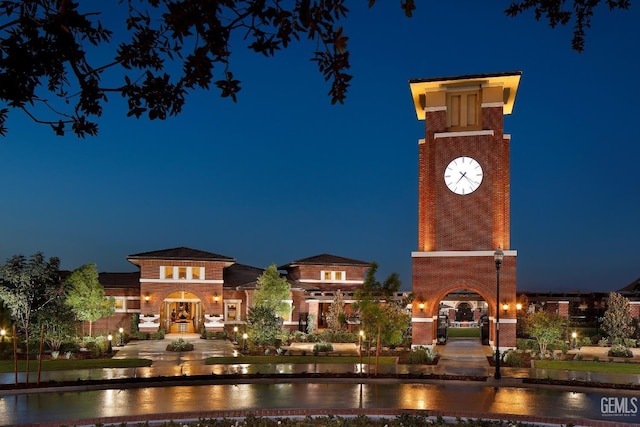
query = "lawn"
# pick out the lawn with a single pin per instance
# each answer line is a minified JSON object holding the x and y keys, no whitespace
{"x":463,"y":332}
{"x":612,"y":367}
{"x":307,"y":360}
{"x":68,"y":364}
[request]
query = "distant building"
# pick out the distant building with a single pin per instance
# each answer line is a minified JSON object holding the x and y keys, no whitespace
{"x":184,"y":289}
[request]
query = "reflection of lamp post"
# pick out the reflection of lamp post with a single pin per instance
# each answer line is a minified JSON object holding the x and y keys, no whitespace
{"x":498,"y":255}
{"x":121,"y":341}
{"x":109,"y":348}
{"x":235,"y":335}
{"x":244,"y":344}
{"x":360,"y":348}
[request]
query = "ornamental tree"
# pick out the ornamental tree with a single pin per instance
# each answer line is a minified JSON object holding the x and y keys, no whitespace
{"x":85,"y":296}
{"x":273,"y":291}
{"x":28,"y":287}
{"x":618,"y":322}
{"x":546,"y":328}
{"x":60,"y":60}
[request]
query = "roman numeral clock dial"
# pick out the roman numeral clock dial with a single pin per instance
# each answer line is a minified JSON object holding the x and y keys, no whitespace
{"x":463,"y":175}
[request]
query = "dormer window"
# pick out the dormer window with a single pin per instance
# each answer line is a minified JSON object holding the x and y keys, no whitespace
{"x":181,"y":273}
{"x":332,"y":276}
{"x":464,"y":110}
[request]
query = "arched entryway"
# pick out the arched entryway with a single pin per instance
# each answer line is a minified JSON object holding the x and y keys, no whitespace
{"x":182,"y":313}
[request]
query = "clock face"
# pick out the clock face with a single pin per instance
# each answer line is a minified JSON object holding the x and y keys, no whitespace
{"x":463,"y":175}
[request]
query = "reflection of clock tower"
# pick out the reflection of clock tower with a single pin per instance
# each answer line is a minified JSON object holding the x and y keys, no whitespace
{"x":463,"y":200}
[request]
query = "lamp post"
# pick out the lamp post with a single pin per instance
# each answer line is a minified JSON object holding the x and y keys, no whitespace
{"x":574,"y":339}
{"x":498,"y":255}
{"x":110,"y":347}
{"x":121,"y":341}
{"x":3,"y":333}
{"x":360,"y":336}
{"x":235,"y":335}
{"x":244,"y":344}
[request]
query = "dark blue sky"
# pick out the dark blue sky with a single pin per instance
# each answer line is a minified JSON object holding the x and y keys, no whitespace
{"x":283,"y":174}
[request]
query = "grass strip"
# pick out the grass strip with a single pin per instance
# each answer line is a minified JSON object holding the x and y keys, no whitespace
{"x":70,"y":364}
{"x":611,"y":367}
{"x":463,"y":332}
{"x":307,"y":360}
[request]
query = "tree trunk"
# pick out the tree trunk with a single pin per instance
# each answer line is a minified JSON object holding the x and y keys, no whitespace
{"x":15,"y":354}
{"x":378,"y":350}
{"x":41,"y":352}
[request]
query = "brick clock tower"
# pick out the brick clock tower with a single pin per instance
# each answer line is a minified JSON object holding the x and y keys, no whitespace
{"x":463,"y":199}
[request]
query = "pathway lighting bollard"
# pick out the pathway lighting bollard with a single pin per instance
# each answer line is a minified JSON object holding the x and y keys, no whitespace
{"x":235,"y":335}
{"x":574,"y":339}
{"x":109,"y":348}
{"x":121,"y":341}
{"x":244,"y":344}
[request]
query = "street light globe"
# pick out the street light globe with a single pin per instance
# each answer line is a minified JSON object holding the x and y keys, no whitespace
{"x":3,"y":332}
{"x":498,"y":255}
{"x":109,"y":337}
{"x":574,"y":335}
{"x":245,"y":336}
{"x":235,"y":329}
{"x":121,"y":330}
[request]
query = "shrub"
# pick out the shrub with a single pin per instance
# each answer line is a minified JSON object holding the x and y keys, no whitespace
{"x":558,"y":345}
{"x":158,"y":335}
{"x":603,"y":342}
{"x":336,"y":336}
{"x":629,"y":342}
{"x":514,"y":358}
{"x":299,"y":336}
{"x":55,"y":354}
{"x":322,"y":347}
{"x":214,"y":335}
{"x":619,"y":350}
{"x":586,"y":341}
{"x":421,"y":356}
{"x":180,"y":345}
{"x":579,"y":356}
{"x":140,"y":335}
{"x":526,"y":344}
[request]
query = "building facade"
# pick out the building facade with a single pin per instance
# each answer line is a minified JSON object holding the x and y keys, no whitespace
{"x":182,"y":290}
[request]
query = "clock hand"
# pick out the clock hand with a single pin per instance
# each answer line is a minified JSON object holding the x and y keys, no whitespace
{"x":462,"y":175}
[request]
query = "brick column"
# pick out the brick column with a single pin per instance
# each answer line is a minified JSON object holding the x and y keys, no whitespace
{"x":563,"y":309}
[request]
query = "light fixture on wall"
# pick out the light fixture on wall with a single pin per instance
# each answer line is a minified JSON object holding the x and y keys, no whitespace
{"x":421,"y":306}
{"x":518,"y":306}
{"x":505,"y":306}
{"x":147,"y":298}
{"x":216,"y":298}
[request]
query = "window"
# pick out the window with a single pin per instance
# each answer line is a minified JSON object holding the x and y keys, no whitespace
{"x":182,"y":273}
{"x":232,"y":310}
{"x":463,"y":110}
{"x":332,"y":275}
{"x":120,"y":305}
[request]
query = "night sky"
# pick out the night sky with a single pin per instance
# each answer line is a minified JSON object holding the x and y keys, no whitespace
{"x":283,"y":175}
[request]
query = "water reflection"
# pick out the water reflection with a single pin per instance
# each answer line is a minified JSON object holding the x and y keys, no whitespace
{"x":474,"y":398}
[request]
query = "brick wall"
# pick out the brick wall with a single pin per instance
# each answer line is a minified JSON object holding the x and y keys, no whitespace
{"x":434,"y":277}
